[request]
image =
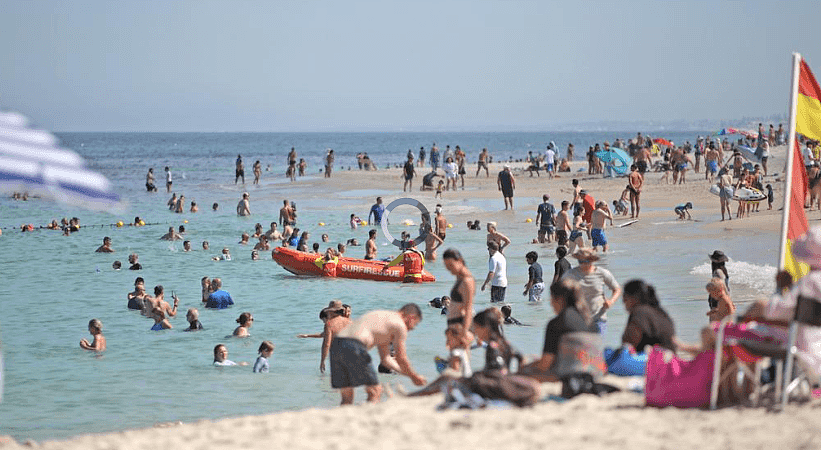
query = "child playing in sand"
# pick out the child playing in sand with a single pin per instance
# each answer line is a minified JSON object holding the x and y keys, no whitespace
{"x":682,"y":211}
{"x":265,"y":351}
{"x":718,"y":292}
{"x":95,"y":327}
{"x":439,"y":188}
{"x":621,"y":206}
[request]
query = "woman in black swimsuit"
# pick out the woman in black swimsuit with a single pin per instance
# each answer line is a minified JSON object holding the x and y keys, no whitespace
{"x":461,"y":296}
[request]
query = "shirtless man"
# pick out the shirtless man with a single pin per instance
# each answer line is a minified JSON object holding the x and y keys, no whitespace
{"x":441,"y":223}
{"x":563,"y":224}
{"x":244,"y":205}
{"x":643,"y":159}
{"x":240,"y":170}
{"x":370,"y":246}
{"x":350,"y":362}
{"x":682,"y":167}
{"x":149,"y":181}
{"x":339,"y":317}
{"x":432,"y":242}
{"x":635,"y":181}
{"x":712,"y":160}
{"x":286,"y":215}
{"x":172,"y":235}
{"x":675,"y":163}
{"x":273,"y":234}
{"x":106,"y":247}
{"x":159,"y":301}
{"x":597,"y":225}
{"x":577,"y":198}
{"x":482,"y":163}
{"x":172,"y":202}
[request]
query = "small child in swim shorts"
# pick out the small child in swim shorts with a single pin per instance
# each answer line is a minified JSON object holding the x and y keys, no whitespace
{"x":682,"y":211}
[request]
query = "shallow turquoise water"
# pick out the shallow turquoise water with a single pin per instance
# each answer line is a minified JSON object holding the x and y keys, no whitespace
{"x":55,"y":284}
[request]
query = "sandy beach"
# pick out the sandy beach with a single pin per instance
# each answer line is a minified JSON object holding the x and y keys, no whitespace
{"x":615,"y":421}
{"x":619,"y":420}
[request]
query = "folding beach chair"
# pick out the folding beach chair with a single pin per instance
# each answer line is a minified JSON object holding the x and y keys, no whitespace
{"x":807,"y":313}
{"x":746,"y":344}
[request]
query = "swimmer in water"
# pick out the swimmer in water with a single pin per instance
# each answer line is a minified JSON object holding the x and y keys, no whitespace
{"x":221,"y":357}
{"x":245,"y":321}
{"x":266,"y":349}
{"x":95,"y":327}
{"x":160,"y":322}
{"x":106,"y":247}
{"x":193,"y":318}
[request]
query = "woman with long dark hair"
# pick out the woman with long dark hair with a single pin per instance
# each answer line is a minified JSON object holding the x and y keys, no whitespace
{"x":648,"y":323}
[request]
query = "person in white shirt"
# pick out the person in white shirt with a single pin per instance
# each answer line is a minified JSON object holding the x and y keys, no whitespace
{"x":497,"y":273}
{"x":550,"y":159}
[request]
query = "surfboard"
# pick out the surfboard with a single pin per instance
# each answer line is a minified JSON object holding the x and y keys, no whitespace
{"x":749,"y":154}
{"x":741,"y":194}
{"x":629,"y":222}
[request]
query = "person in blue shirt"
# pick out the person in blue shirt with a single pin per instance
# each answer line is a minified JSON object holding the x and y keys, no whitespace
{"x":682,"y":211}
{"x":377,"y":210}
{"x":218,"y":299}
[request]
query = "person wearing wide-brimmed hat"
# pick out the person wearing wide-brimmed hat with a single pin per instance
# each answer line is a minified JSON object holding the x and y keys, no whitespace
{"x":718,"y":270}
{"x":592,"y":280}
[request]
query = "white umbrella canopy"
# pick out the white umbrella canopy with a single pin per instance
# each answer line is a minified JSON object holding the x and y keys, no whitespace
{"x":32,"y":161}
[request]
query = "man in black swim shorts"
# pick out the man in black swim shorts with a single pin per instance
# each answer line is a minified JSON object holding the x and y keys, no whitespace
{"x":351,"y":364}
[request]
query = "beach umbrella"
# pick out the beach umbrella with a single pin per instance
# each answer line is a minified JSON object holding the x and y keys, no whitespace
{"x":662,"y":141}
{"x":32,"y":161}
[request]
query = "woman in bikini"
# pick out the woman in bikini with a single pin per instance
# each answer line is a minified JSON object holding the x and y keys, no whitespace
{"x":460,"y":311}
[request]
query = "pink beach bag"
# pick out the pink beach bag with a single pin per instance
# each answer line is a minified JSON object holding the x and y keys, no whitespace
{"x":672,"y":381}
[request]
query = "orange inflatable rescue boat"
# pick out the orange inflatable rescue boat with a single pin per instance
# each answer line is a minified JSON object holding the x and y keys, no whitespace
{"x":313,"y":264}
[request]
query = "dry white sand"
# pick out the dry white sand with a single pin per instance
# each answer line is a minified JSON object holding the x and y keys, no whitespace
{"x":616,"y":421}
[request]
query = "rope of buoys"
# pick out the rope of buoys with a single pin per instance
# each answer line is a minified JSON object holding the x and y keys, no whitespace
{"x":119,"y":224}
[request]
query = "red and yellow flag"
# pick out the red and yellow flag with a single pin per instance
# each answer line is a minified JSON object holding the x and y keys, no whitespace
{"x":807,"y":123}
{"x":808,"y":109}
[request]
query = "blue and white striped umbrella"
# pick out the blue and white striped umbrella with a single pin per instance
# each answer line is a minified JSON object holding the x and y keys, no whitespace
{"x":32,"y":161}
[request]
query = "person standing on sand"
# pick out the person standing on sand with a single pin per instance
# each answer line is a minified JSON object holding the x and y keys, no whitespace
{"x":725,"y":186}
{"x":570,"y":149}
{"x":598,"y":223}
{"x":370,"y":245}
{"x":643,"y":159}
{"x":460,"y":162}
{"x":287,"y":217}
{"x":550,"y":159}
{"x":350,"y":362}
{"x":244,"y":205}
{"x":240,"y":170}
{"x":545,"y":218}
{"x":482,"y":163}
{"x":563,"y":224}
{"x":408,"y":172}
{"x":712,"y":159}
{"x":635,"y":181}
{"x":434,"y":157}
{"x":506,"y":183}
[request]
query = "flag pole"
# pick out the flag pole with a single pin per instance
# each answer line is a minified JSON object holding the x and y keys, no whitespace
{"x":796,"y":63}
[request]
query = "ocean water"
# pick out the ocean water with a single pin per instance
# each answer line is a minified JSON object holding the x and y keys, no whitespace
{"x":55,"y":284}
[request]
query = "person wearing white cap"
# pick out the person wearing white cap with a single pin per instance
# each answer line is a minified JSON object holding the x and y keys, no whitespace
{"x":506,"y":183}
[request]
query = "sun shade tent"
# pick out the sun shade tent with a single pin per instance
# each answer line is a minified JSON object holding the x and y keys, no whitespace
{"x":621,"y":160}
{"x":32,"y":161}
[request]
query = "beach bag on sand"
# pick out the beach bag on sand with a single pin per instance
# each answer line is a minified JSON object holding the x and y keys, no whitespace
{"x":676,"y":382}
{"x":624,"y":363}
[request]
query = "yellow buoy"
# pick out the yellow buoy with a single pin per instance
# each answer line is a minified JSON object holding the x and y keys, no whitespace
{"x":142,"y":223}
{"x":529,"y":220}
{"x":450,"y":225}
{"x":321,"y":224}
{"x":364,"y":223}
{"x":119,"y":224}
{"x":184,"y":221}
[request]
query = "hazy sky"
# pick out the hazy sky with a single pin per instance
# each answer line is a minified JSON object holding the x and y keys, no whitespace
{"x":383,"y":65}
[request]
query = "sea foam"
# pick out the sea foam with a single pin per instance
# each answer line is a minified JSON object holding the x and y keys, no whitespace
{"x":760,"y":278}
